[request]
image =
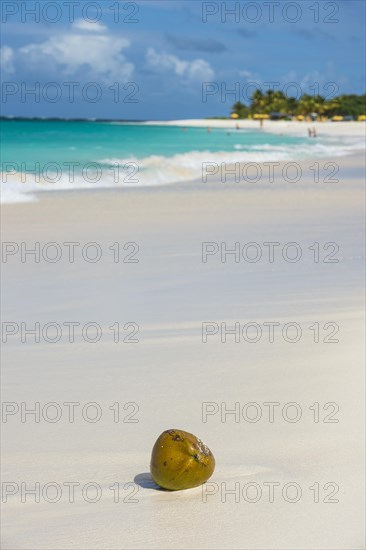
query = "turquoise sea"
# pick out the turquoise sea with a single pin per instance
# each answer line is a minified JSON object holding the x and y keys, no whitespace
{"x":41,"y":155}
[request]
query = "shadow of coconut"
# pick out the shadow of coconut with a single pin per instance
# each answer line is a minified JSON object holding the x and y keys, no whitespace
{"x":146,"y":482}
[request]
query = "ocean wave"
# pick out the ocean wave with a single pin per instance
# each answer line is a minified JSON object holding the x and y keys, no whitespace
{"x":11,"y":194}
{"x":317,"y":149}
{"x":162,"y":170}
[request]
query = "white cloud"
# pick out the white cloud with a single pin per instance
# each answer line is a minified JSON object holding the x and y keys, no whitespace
{"x":83,"y":25}
{"x":6,"y":59}
{"x":99,"y":54}
{"x":198,"y":69}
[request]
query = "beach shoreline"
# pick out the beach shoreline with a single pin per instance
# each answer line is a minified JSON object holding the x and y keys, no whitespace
{"x":326,"y":128}
{"x":335,"y":140}
{"x":248,"y":175}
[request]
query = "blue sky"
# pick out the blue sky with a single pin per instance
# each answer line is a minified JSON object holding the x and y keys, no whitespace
{"x":155,"y":59}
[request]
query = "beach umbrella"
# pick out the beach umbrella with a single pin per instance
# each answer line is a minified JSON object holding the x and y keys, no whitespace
{"x":362,"y":118}
{"x":234,"y":115}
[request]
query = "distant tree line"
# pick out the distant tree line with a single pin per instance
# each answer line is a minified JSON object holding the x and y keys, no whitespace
{"x":277,"y":102}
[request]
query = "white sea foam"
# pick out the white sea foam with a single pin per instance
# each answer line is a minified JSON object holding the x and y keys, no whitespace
{"x":12,"y":194}
{"x":162,"y":170}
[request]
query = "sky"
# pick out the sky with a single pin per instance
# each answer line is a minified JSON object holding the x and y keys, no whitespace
{"x":169,"y":59}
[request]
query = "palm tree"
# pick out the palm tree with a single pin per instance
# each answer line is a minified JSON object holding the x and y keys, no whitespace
{"x":279,"y":102}
{"x":257,"y":102}
{"x":332,"y":106}
{"x":319,"y":105}
{"x":353,"y":105}
{"x":291,"y":105}
{"x":306,"y":105}
{"x":240,"y":109}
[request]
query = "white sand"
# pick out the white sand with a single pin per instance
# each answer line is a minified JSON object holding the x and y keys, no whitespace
{"x":170,"y":372}
{"x":336,"y":129}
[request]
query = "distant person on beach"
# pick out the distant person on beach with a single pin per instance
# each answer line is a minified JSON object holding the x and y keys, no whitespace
{"x":309,"y":132}
{"x":261,"y":123}
{"x":237,"y":127}
{"x":314,"y":132}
